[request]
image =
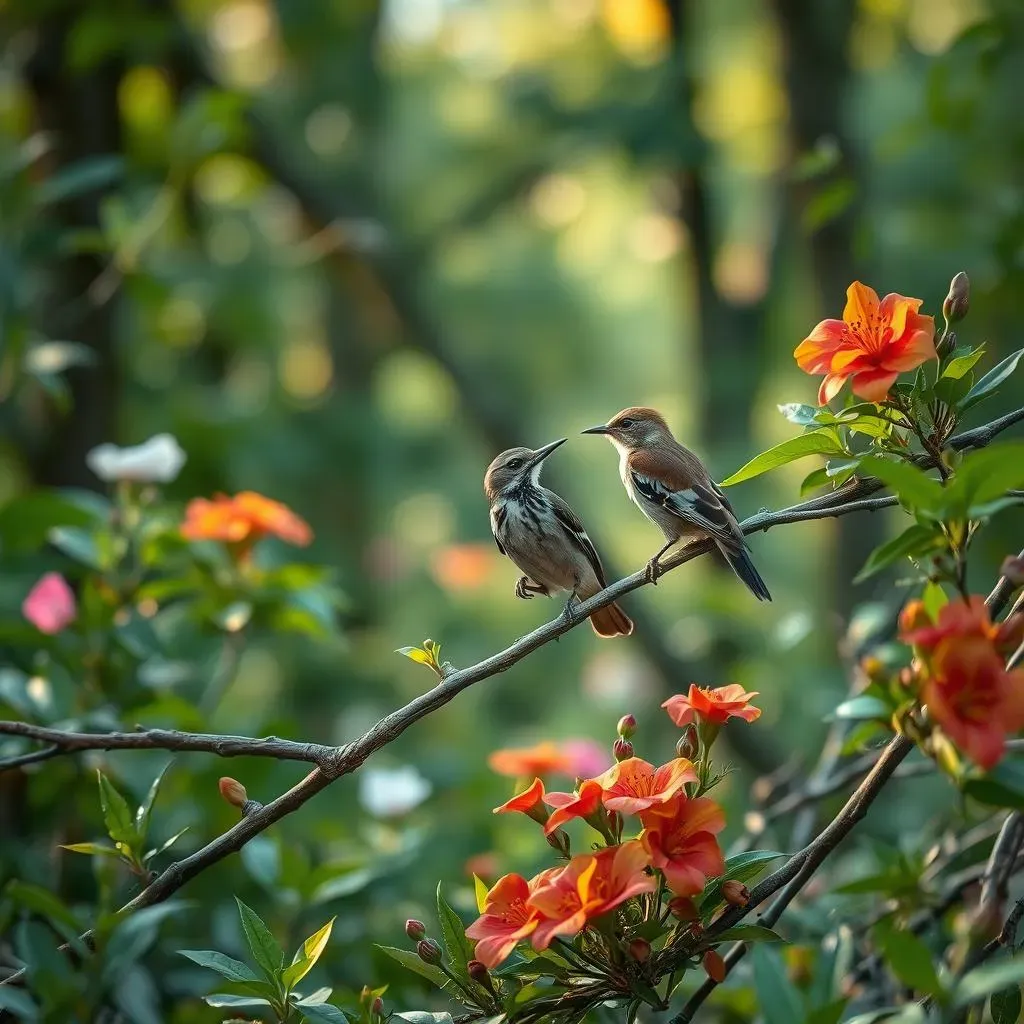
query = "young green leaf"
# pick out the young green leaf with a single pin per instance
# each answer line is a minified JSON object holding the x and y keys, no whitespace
{"x":915,"y":489}
{"x":779,"y":1000}
{"x":817,"y":442}
{"x":988,"y":384}
{"x":116,"y":815}
{"x":264,"y":946}
{"x":92,"y":849}
{"x":909,"y":959}
{"x":412,"y":962}
{"x":306,"y":957}
{"x":453,"y":932}
{"x":224,"y":1000}
{"x":225,"y":966}
{"x":962,"y":362}
{"x":1003,"y":786}
{"x":863,"y":706}
{"x":480,"y":891}
{"x":424,"y":1017}
{"x":913,"y":542}
{"x":146,"y":807}
{"x":324,"y":1013}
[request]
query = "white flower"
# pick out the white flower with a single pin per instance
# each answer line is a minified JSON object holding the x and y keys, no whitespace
{"x":158,"y":460}
{"x":390,"y":792}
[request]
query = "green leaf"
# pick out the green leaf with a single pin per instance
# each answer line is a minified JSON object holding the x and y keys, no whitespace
{"x":802,"y":415}
{"x":306,"y":957}
{"x":86,"y":175}
{"x":324,"y":1013}
{"x":1001,"y":787}
{"x":986,"y":475}
{"x":224,"y":1000}
{"x":412,"y":962}
{"x":816,"y":478}
{"x":20,"y":1003}
{"x":961,"y":364}
{"x":480,"y":891}
{"x":166,"y":845}
{"x":146,"y":807}
{"x":985,"y":980}
{"x":908,"y":958}
{"x":817,"y":442}
{"x":934,"y":599}
{"x":914,"y":488}
{"x":779,"y":1001}
{"x":913,"y":542}
{"x":44,"y":902}
{"x":863,"y":707}
{"x":116,"y":815}
{"x":453,"y":933}
{"x":742,"y":867}
{"x":830,"y":1013}
{"x":264,"y":947}
{"x":1005,"y":1005}
{"x":749,"y":933}
{"x":424,"y":1017}
{"x":79,"y":545}
{"x":92,"y":849}
{"x":225,"y":966}
{"x":991,"y":380}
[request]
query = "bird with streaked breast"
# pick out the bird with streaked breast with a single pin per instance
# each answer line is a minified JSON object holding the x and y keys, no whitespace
{"x":538,"y":531}
{"x":670,"y":485}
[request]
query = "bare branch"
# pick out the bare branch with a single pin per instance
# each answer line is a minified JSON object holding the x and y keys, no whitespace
{"x":158,"y":739}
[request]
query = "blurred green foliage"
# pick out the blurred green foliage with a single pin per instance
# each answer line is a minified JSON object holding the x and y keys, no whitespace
{"x":347,"y":252}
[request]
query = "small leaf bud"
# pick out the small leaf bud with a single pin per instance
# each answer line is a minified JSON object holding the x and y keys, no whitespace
{"x":428,"y":951}
{"x":415,"y":930}
{"x":735,"y":893}
{"x":714,"y":965}
{"x":232,"y":791}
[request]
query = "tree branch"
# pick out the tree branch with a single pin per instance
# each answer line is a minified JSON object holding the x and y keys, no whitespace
{"x":158,"y":739}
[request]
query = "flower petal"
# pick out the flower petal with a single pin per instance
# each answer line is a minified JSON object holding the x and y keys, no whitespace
{"x":830,"y":387}
{"x":861,"y":304}
{"x":873,"y":385}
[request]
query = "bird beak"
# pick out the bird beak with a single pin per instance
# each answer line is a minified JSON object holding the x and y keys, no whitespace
{"x":599,"y":429}
{"x":542,"y":453}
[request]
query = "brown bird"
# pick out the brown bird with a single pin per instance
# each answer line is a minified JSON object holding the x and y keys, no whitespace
{"x":670,"y":485}
{"x":535,"y":528}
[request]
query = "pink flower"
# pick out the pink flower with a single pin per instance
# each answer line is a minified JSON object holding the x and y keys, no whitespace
{"x":588,"y":758}
{"x":50,"y":605}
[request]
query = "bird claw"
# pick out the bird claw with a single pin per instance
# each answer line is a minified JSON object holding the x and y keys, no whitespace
{"x":568,"y":609}
{"x":653,"y":571}
{"x":523,"y":590}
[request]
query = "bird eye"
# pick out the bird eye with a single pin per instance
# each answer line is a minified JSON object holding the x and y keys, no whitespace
{"x":514,"y":463}
{"x":626,"y":424}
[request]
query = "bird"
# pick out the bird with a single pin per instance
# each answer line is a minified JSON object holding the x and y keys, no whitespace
{"x":537,"y":530}
{"x":670,"y":485}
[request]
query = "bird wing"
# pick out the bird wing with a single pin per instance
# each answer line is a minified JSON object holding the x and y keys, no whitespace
{"x":574,"y":529}
{"x":498,"y":514}
{"x":680,"y":484}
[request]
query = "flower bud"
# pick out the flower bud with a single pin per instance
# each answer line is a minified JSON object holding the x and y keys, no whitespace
{"x":428,"y":951}
{"x":958,"y":301}
{"x":626,"y":726}
{"x":479,"y":973}
{"x":640,"y":950}
{"x":683,"y":909}
{"x":233,"y":792}
{"x":377,"y":1008}
{"x":415,"y":930}
{"x":945,"y":344}
{"x":558,"y":840}
{"x":686,"y":745}
{"x":622,"y":750}
{"x":914,"y":616}
{"x":735,"y":893}
{"x":714,"y":965}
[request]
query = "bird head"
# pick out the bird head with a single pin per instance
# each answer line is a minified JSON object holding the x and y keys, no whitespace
{"x":633,"y":428}
{"x":514,"y":467}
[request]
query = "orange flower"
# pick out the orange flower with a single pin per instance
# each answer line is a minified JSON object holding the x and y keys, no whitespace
{"x":587,"y":887}
{"x":680,"y":838}
{"x":973,"y":698}
{"x":633,"y":785}
{"x":959,"y":619}
{"x":584,"y":803}
{"x":542,"y":759}
{"x":243,"y":519}
{"x":505,"y":921}
{"x":528,"y":802}
{"x":873,"y":344}
{"x":714,"y":705}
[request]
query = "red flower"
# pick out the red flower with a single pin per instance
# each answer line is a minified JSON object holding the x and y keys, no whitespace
{"x":590,"y":885}
{"x":873,"y":344}
{"x":584,"y":803}
{"x":528,"y":802}
{"x":633,"y":785}
{"x":973,"y":698}
{"x":243,"y":519}
{"x":542,"y":759}
{"x":505,"y":921}
{"x":714,"y":705}
{"x":959,"y":619}
{"x":680,"y":838}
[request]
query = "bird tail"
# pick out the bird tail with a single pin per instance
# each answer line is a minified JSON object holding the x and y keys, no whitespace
{"x":611,"y":621}
{"x":740,"y":563}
